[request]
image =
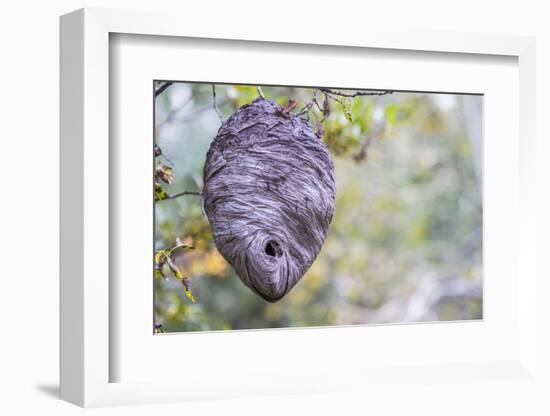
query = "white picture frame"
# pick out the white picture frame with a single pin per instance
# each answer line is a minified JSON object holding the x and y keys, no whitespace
{"x":87,"y":355}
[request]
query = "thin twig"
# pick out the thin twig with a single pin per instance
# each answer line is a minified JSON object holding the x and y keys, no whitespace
{"x":336,"y":99}
{"x":306,"y":109}
{"x":218,"y":112}
{"x":355,"y":94}
{"x":173,"y":114}
{"x":260,"y":91}
{"x":362,"y":154}
{"x":317,"y":104}
{"x":183,"y":193}
{"x":161,"y":89}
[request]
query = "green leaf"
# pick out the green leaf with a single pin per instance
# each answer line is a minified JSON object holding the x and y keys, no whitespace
{"x":346,"y":106}
{"x":160,"y":193}
{"x":391,"y":113}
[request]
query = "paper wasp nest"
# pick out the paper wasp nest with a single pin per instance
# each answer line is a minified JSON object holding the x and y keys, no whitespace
{"x":269,"y":196}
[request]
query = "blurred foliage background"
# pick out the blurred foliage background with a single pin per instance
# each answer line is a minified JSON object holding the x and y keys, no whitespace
{"x":405,"y":244}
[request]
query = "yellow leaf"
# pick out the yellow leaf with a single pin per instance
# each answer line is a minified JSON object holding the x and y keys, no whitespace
{"x":189,"y":295}
{"x":161,"y":257}
{"x":186,"y":282}
{"x":178,"y":274}
{"x":164,"y":174}
{"x":175,"y":270}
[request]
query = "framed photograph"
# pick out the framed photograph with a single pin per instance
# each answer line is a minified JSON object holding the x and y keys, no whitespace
{"x":284,"y":213}
{"x":371,"y":198}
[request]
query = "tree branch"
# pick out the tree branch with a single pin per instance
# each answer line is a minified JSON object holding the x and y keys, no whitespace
{"x":355,"y":94}
{"x":184,"y":193}
{"x":161,"y":89}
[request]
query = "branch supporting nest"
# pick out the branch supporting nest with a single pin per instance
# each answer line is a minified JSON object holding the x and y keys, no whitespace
{"x":333,"y":92}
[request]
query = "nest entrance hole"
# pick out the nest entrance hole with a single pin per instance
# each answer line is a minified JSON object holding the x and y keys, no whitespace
{"x":273,"y":249}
